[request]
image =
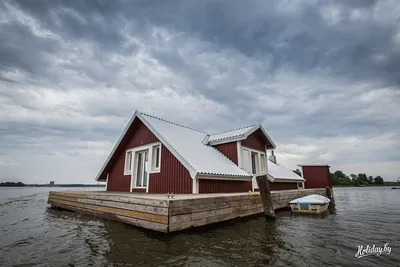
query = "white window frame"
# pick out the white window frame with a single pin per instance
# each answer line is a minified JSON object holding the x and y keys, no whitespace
{"x":153,"y":162}
{"x":128,"y":171}
{"x":258,"y":164}
{"x":132,"y":173}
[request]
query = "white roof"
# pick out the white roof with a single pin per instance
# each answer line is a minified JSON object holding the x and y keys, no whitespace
{"x":230,"y":134}
{"x":311,"y":199}
{"x":192,"y":147}
{"x":278,"y":172}
{"x":187,"y":145}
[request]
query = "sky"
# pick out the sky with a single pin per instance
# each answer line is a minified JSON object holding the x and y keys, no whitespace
{"x":322,"y":77}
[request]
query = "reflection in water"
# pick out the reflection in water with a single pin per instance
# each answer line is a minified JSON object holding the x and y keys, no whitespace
{"x":223,"y":244}
{"x":32,"y":235}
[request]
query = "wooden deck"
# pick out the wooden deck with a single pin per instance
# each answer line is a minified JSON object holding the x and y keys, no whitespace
{"x":157,"y":212}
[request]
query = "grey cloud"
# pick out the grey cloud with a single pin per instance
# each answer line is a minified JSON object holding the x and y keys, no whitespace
{"x":295,"y":68}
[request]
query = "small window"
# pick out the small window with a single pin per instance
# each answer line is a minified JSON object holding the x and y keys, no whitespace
{"x":263,"y":163}
{"x":156,"y":157}
{"x":300,"y":185}
{"x":128,"y":162}
{"x":254,"y":162}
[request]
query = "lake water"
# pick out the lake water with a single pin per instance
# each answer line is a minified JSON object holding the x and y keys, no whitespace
{"x":33,"y":235}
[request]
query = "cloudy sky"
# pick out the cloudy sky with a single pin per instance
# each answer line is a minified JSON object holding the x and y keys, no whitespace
{"x":323,"y":77}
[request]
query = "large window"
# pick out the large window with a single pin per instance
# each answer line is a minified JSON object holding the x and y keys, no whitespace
{"x":254,"y":161}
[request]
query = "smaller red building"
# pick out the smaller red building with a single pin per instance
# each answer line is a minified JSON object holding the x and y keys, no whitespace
{"x":316,"y":176}
{"x":154,"y":155}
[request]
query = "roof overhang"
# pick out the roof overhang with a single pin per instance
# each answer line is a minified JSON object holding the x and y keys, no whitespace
{"x":223,"y":177}
{"x":242,"y":137}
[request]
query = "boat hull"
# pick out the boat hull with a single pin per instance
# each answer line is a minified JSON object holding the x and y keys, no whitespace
{"x":309,"y":208}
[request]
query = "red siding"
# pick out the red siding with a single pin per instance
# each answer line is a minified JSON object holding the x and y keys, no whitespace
{"x":223,"y":186}
{"x":173,"y":176}
{"x":282,"y":186}
{"x":317,"y":177}
{"x":229,"y":150}
{"x":256,"y":140}
{"x":137,"y":135}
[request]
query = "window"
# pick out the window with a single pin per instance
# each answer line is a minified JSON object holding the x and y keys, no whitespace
{"x":141,"y":172}
{"x":156,"y":157}
{"x":300,"y":185}
{"x":263,"y":163}
{"x":128,"y":162}
{"x":246,"y":160}
{"x":254,"y":163}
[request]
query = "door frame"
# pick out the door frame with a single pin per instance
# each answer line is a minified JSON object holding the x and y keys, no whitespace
{"x":133,"y":173}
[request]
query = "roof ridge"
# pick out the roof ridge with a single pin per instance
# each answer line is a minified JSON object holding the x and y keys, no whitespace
{"x":174,"y":123}
{"x":234,"y":129}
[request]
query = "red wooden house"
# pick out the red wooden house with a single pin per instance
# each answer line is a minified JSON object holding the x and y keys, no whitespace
{"x":154,"y":155}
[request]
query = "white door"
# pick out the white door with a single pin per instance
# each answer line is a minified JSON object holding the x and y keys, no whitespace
{"x":142,"y":176}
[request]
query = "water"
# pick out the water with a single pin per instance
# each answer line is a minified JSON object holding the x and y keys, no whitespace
{"x":33,"y":235}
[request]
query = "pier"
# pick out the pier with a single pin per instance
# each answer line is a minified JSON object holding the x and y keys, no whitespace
{"x":166,"y":214}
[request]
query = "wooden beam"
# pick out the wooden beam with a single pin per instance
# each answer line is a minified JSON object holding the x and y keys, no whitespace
{"x":266,"y":198}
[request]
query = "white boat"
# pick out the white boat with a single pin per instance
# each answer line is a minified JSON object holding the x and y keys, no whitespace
{"x":312,"y":204}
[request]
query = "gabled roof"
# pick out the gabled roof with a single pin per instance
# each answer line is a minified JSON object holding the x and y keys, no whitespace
{"x":186,"y":145}
{"x":236,"y":135}
{"x":279,"y":173}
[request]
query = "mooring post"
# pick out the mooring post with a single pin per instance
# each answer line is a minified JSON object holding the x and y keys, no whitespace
{"x":266,"y":198}
{"x":329,"y":194}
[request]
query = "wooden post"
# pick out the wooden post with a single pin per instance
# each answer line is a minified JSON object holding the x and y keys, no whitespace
{"x":266,"y":198}
{"x":329,"y":195}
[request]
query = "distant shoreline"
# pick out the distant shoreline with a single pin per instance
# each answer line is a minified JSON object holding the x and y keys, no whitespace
{"x":19,"y":184}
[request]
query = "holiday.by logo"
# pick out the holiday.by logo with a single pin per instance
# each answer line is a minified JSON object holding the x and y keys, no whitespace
{"x":373,"y":250}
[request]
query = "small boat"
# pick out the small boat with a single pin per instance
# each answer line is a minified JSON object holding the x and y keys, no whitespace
{"x":312,"y":204}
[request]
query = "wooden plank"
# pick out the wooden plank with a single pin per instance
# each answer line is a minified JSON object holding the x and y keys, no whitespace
{"x":120,"y":205}
{"x":207,"y":200}
{"x":117,"y":198}
{"x":214,"y":219}
{"x":116,"y":211}
{"x":199,"y":215}
{"x":127,"y":220}
{"x":213,"y":206}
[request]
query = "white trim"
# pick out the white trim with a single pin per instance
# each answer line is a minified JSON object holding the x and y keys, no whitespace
{"x":259,"y":152}
{"x":134,"y":171}
{"x":230,"y":178}
{"x":287,"y":180}
{"x":126,"y":171}
{"x":195,"y":186}
{"x":108,"y":174}
{"x":239,"y":153}
{"x":153,"y":168}
{"x":226,"y":140}
{"x":134,"y":150}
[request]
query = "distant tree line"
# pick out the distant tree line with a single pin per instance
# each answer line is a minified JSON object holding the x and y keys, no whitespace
{"x":340,"y":178}
{"x":18,"y":184}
